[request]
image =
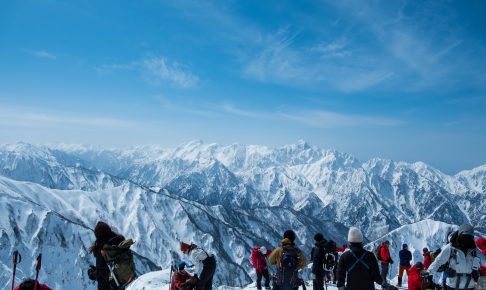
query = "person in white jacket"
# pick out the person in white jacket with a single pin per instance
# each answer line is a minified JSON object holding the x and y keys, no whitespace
{"x":204,"y":265}
{"x":463,"y":259}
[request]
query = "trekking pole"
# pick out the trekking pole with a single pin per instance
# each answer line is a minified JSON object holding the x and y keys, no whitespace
{"x":37,"y":269}
{"x":17,"y":258}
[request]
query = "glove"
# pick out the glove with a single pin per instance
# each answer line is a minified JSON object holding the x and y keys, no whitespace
{"x":191,"y":281}
{"x":92,"y":272}
{"x":391,"y":261}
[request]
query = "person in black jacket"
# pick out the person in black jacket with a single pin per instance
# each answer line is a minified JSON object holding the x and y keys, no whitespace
{"x":104,"y":235}
{"x":358,"y":268}
{"x":405,"y":259}
{"x":317,"y":256}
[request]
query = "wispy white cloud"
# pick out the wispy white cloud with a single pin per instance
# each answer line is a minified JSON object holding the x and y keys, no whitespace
{"x":15,"y":116}
{"x":158,"y":69}
{"x":314,"y":118}
{"x":41,"y":54}
{"x":155,"y":71}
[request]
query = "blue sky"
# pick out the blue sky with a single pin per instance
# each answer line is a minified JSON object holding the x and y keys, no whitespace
{"x":404,"y":80}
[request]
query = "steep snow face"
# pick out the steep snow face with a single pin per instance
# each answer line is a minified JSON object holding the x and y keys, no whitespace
{"x":157,"y":221}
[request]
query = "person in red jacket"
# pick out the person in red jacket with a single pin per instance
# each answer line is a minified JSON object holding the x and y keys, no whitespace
{"x":180,"y":277}
{"x":259,"y":261}
{"x":29,"y":284}
{"x":386,"y":259}
{"x":481,"y":244}
{"x":414,"y":277}
{"x":427,"y":258}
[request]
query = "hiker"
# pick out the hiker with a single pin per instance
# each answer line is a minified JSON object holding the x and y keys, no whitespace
{"x":385,"y":259}
{"x":481,"y":244}
{"x":460,"y":260}
{"x":180,"y":277}
{"x":289,"y":259}
{"x":418,"y":279}
{"x":259,"y":261}
{"x":405,"y":258}
{"x":104,"y":236}
{"x":357,"y":267}
{"x":317,"y":257}
{"x":29,"y":284}
{"x":330,"y":261}
{"x":204,"y":266}
{"x":427,"y":258}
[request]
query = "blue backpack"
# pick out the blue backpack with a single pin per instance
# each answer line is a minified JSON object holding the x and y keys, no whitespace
{"x":287,"y":271}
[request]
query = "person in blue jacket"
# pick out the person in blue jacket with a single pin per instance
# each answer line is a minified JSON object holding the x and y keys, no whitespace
{"x":405,"y":259}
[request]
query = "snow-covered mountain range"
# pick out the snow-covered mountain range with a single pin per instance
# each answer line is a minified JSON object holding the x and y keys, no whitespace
{"x":225,"y":198}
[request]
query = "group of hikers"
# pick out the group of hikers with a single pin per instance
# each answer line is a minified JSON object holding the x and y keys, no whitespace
{"x":350,"y":267}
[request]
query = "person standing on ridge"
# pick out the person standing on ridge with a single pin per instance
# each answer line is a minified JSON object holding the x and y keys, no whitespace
{"x":259,"y":262}
{"x":204,"y":266}
{"x":427,"y":258}
{"x":288,"y":259}
{"x":357,"y":268}
{"x":405,"y":259}
{"x":385,"y":260}
{"x":460,"y":259}
{"x":317,"y":258}
{"x":104,"y":236}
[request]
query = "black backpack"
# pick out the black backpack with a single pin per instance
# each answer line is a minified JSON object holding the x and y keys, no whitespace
{"x":329,"y":261}
{"x":287,"y":271}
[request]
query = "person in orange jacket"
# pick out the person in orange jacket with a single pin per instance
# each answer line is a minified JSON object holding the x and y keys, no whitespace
{"x":180,"y":277}
{"x":29,"y":284}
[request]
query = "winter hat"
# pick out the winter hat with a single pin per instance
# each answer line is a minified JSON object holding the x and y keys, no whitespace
{"x":355,"y":235}
{"x":425,"y":250}
{"x":263,"y":250}
{"x":185,"y":247}
{"x":419,"y":265}
{"x":102,"y":230}
{"x":466,"y":229}
{"x":318,"y":237}
{"x":405,"y":246}
{"x":181,"y":265}
{"x":289,"y":234}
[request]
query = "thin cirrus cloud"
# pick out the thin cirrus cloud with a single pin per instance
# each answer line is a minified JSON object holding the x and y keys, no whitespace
{"x":13,"y":116}
{"x":41,"y":54}
{"x":315,"y":118}
{"x":156,"y":71}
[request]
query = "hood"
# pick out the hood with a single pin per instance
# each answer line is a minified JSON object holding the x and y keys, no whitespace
{"x":481,"y":243}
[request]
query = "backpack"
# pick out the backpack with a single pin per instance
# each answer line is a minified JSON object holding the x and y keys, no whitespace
{"x":119,"y":259}
{"x":378,"y":253}
{"x":287,"y":272}
{"x":329,"y":261}
{"x":434,"y":254}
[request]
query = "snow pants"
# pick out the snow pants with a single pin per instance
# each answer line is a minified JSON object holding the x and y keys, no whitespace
{"x":384,"y":270}
{"x":205,"y":282}
{"x":318,"y":282}
{"x":261,"y":275}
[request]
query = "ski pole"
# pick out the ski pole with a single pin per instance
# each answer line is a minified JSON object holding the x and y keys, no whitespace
{"x":17,"y":258}
{"x":37,"y":269}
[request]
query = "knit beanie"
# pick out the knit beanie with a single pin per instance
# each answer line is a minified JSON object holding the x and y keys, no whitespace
{"x":289,"y":234}
{"x":318,"y":237}
{"x":355,"y":235}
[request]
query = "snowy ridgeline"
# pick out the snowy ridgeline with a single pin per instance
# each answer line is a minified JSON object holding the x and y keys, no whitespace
{"x":225,"y":198}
